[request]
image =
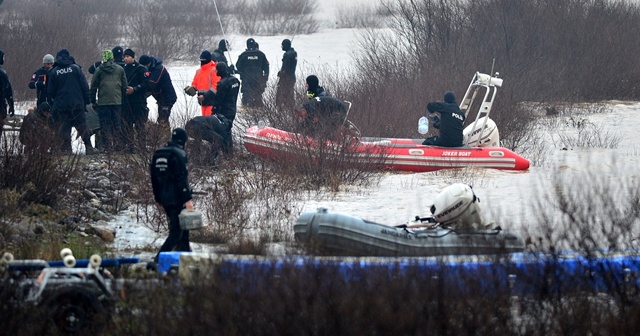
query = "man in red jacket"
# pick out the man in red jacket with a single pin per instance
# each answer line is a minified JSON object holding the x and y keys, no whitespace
{"x":204,"y":80}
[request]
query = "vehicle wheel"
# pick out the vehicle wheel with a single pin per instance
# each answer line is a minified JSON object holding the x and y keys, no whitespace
{"x":76,"y":310}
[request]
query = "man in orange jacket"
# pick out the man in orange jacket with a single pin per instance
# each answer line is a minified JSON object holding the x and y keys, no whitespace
{"x":204,"y":80}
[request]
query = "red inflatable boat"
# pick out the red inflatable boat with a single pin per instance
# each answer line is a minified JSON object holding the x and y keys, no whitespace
{"x":482,"y":142}
{"x":386,"y":153}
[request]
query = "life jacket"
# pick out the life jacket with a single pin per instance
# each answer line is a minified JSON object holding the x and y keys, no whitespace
{"x":204,"y":80}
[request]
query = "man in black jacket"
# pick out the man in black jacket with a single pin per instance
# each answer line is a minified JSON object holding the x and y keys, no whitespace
{"x":451,"y":122}
{"x":322,"y":117}
{"x":135,"y":112}
{"x":170,"y":182}
{"x":6,"y":94}
{"x":224,"y":103}
{"x":218,"y":54}
{"x":287,"y":76}
{"x":69,"y":91}
{"x":39,"y":79}
{"x":160,"y":86}
{"x":253,"y":68}
{"x":314,"y":89}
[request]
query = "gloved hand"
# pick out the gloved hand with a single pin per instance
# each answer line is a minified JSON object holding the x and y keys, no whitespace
{"x":12,"y":111}
{"x":232,"y":69}
{"x":190,"y":90}
{"x":94,"y":106}
{"x":436,"y":122}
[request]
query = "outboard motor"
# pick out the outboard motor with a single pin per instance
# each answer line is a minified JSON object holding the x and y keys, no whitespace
{"x":487,"y":136}
{"x":457,"y":206}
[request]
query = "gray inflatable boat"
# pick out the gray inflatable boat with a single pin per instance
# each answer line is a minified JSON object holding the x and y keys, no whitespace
{"x":335,"y":233}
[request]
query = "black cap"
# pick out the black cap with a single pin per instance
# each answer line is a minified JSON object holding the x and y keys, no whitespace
{"x":221,"y":69}
{"x":63,"y":53}
{"x":205,"y":55}
{"x":251,"y":43}
{"x":145,"y":60}
{"x":222,"y":45}
{"x":179,"y":136}
{"x":129,"y":52}
{"x":313,"y":81}
{"x":449,"y":97}
{"x":286,"y":44}
{"x":117,"y":53}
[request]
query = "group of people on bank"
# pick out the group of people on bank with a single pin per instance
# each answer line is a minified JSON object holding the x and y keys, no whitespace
{"x":116,"y":97}
{"x":118,"y":93}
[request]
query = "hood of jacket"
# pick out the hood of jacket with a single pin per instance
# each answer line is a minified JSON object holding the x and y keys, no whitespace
{"x":155,"y":62}
{"x":63,"y":61}
{"x":108,"y":67}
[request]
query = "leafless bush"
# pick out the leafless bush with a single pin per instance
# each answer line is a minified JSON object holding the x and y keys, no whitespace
{"x":572,"y":128}
{"x":589,"y":212}
{"x":172,"y":30}
{"x":274,"y":17}
{"x":350,"y":15}
{"x":37,"y":175}
{"x":30,"y":29}
{"x":588,"y":135}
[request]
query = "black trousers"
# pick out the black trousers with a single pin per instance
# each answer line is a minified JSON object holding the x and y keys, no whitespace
{"x":110,"y":122}
{"x":178,"y":239}
{"x":65,"y":120}
{"x":134,"y":118}
{"x":251,"y":92}
{"x":284,"y":92}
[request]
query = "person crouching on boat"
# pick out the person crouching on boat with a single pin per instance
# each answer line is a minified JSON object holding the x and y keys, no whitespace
{"x":321,"y":117}
{"x":450,"y":123}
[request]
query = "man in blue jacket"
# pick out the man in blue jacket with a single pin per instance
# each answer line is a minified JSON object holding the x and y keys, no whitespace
{"x":451,"y":122}
{"x":160,"y":86}
{"x":69,"y":91}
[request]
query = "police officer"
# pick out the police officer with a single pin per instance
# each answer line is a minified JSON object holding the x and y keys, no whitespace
{"x":287,"y":75}
{"x":170,"y":182}
{"x":313,"y":87}
{"x":253,"y":68}
{"x":68,"y":89}
{"x":160,"y":87}
{"x":322,"y":117}
{"x":224,"y":103}
{"x":218,"y":54}
{"x":450,"y":123}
